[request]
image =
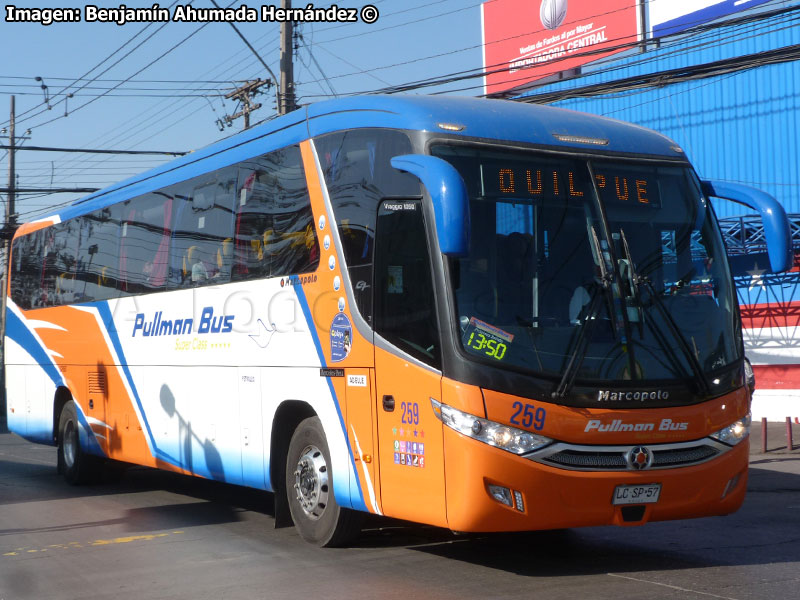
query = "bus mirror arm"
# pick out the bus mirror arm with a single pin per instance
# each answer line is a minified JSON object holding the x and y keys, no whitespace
{"x":449,"y":196}
{"x":776,"y":226}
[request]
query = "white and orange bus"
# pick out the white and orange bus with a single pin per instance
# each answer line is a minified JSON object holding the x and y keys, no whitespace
{"x":480,"y":315}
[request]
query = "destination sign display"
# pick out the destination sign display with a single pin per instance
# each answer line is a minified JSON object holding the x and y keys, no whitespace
{"x":518,"y":179}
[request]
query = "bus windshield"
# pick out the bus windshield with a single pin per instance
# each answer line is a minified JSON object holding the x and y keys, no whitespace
{"x":602,"y":269}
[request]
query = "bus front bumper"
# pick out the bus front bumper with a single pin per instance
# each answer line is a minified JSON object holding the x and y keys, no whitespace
{"x":546,"y":497}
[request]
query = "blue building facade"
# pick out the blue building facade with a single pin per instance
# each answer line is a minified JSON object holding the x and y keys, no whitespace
{"x":739,"y":126}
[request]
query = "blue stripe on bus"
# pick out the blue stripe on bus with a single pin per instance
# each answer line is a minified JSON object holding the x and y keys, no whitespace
{"x":355,"y":503}
{"x":88,"y":442}
{"x":17,"y":331}
{"x":108,"y":319}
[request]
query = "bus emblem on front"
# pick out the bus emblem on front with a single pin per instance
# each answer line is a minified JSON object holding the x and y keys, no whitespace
{"x":639,"y":458}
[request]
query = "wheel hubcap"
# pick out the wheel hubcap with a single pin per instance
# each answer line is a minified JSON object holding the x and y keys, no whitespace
{"x":311,"y":482}
{"x":70,"y":442}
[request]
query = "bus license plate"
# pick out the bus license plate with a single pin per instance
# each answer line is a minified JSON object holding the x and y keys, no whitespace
{"x":637,"y":494}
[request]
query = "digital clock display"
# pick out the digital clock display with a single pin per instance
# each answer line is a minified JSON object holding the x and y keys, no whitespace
{"x":487,"y":339}
{"x":490,"y":347}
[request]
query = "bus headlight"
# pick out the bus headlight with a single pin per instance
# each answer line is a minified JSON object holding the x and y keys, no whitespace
{"x":733,"y":433}
{"x":511,"y":439}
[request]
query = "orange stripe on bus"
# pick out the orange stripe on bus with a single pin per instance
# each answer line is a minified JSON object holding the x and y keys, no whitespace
{"x":94,"y":380}
{"x":323,"y":302}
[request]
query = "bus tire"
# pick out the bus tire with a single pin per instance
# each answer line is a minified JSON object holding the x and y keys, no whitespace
{"x":309,"y":489}
{"x":74,"y":464}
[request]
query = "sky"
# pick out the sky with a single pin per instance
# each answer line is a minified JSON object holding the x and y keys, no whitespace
{"x":161,"y":86}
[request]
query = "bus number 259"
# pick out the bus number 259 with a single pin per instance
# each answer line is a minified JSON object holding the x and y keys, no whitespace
{"x":528,"y":415}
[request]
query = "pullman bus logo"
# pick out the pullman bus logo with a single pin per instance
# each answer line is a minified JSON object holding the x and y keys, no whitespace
{"x":639,"y":458}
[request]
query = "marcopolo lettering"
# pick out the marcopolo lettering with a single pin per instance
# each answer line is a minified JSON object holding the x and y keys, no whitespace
{"x":298,"y":279}
{"x":159,"y":326}
{"x":632,"y":396}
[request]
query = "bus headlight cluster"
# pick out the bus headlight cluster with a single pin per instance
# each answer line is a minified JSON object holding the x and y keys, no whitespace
{"x":513,"y":440}
{"x":734,"y":433}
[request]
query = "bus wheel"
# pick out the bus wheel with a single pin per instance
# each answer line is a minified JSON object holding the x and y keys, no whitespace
{"x":309,"y":488}
{"x":76,"y":466}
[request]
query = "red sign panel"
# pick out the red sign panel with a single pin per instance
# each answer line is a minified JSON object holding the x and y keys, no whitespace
{"x":525,"y":40}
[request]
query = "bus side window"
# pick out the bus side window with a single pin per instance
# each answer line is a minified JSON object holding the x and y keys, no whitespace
{"x":358,"y":174}
{"x":405,"y":311}
{"x":144,"y":235}
{"x":58,"y":264}
{"x":275,"y":233}
{"x":26,"y":269}
{"x":293,"y":220}
{"x":253,"y":227}
{"x":98,"y":255}
{"x":203,"y":223}
{"x":299,"y":248}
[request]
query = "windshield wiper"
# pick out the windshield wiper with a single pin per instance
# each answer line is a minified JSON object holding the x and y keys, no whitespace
{"x":633,"y":279}
{"x":605,"y":277}
{"x":638,"y":280}
{"x":601,"y":285}
{"x":676,"y":333}
{"x":576,"y":358}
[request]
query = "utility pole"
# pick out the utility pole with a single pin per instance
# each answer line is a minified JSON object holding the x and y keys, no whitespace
{"x":288,"y":103}
{"x":244,"y":95}
{"x":8,"y":229}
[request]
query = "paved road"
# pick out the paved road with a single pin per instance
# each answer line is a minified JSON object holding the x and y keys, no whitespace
{"x":160,"y":535}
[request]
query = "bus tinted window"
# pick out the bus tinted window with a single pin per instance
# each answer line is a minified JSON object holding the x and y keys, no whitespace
{"x":358,"y":173}
{"x":26,"y":270}
{"x":144,"y":243}
{"x":202,"y":246}
{"x":60,"y":264}
{"x":405,"y":312}
{"x":207,"y":230}
{"x":275,"y":233}
{"x":98,"y":255}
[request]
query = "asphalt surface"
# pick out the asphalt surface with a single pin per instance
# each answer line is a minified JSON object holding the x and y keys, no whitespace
{"x":159,"y":535}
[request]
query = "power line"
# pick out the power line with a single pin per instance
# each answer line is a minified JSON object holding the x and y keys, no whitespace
{"x":314,"y":60}
{"x":101,"y":80}
{"x":257,"y":55}
{"x":139,"y":124}
{"x":91,"y":151}
{"x":48,"y":190}
{"x":123,"y":95}
{"x":662,"y":78}
{"x":142,"y":30}
{"x":146,"y":66}
{"x":125,"y":88}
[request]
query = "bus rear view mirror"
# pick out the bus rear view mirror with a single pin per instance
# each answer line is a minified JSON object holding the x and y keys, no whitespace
{"x":776,"y":226}
{"x":449,"y":196}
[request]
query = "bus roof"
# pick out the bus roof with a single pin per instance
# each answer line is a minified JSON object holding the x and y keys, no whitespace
{"x":471,"y":117}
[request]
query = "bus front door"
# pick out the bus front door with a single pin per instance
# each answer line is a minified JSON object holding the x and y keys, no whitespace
{"x":411,"y":455}
{"x":407,"y":367}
